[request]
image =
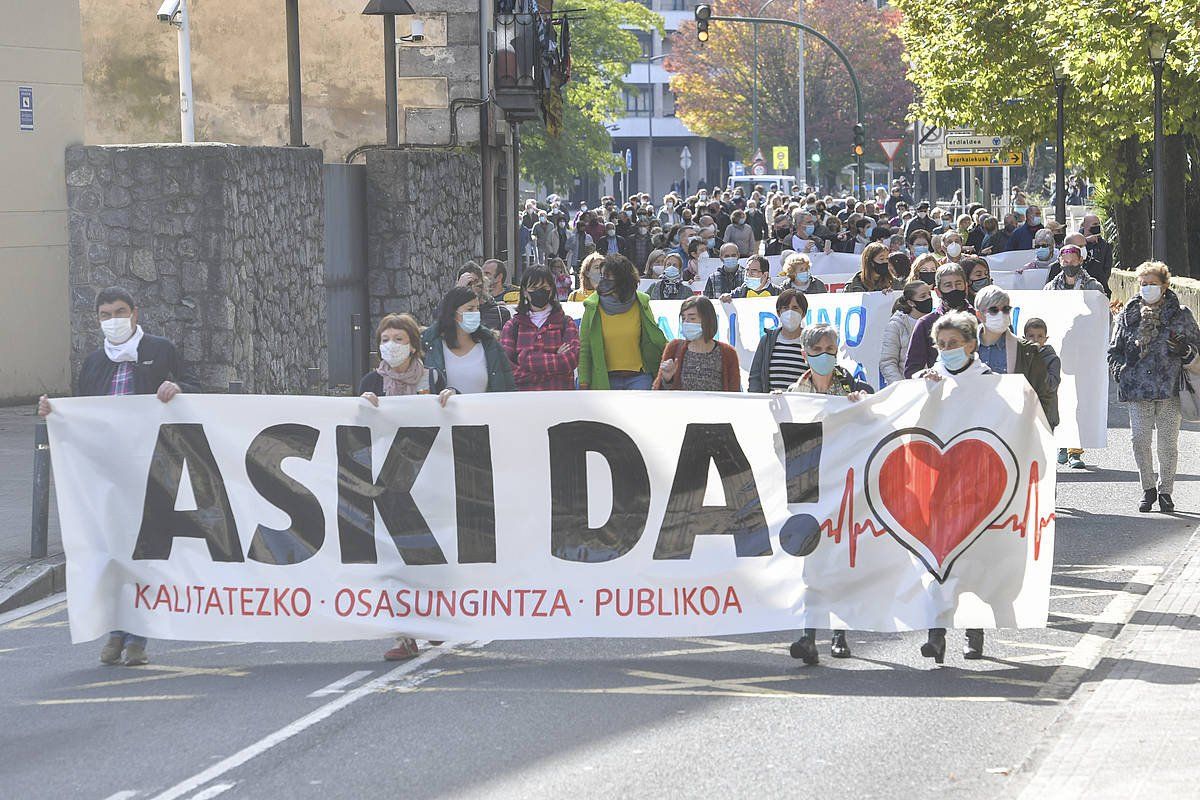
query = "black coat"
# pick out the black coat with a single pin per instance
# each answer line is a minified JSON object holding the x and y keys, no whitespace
{"x":157,"y":361}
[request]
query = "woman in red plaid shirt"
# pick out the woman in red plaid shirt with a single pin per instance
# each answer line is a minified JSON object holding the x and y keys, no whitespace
{"x":541,"y":341}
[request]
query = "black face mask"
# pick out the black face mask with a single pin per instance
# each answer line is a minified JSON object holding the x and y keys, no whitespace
{"x":955,"y":299}
{"x":539,"y":298}
{"x":880,"y":269}
{"x":1094,"y":230}
{"x":928,"y":278}
{"x":782,"y":233}
{"x":924,"y":306}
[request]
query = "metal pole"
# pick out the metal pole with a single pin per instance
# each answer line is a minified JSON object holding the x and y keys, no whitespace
{"x":932,"y":182}
{"x":650,"y":124}
{"x":1060,"y":158}
{"x":39,"y":533}
{"x":516,"y":190}
{"x":801,"y":150}
{"x":295,"y":111}
{"x":187,"y":117}
{"x":754,"y":95}
{"x":1158,"y":231}
{"x":389,"y":80}
{"x":358,"y":344}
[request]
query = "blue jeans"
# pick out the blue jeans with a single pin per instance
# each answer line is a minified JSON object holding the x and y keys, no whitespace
{"x":640,"y":381}
{"x":129,"y":638}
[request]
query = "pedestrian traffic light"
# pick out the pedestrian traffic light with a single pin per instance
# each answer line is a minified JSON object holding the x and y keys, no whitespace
{"x":703,"y":12}
{"x":816,"y":155}
{"x":860,"y":139}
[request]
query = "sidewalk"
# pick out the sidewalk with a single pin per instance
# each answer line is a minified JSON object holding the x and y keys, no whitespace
{"x":1136,"y":733}
{"x":16,"y":493}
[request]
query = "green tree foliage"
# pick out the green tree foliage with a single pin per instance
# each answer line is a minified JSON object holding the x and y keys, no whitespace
{"x":714,"y":80}
{"x":601,"y":53}
{"x":990,"y":64}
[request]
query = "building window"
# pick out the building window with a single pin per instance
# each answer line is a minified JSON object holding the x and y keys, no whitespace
{"x":638,"y":100}
{"x":668,"y":102}
{"x":646,"y":40}
{"x":681,"y":5}
{"x":667,"y":44}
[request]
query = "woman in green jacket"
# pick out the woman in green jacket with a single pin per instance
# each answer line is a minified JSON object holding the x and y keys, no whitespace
{"x":621,"y":344}
{"x":466,"y":357}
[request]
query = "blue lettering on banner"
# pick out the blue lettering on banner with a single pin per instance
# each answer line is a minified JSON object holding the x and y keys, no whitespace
{"x":664,"y":325}
{"x":733,"y":329}
{"x":763,"y":318}
{"x":25,"y":106}
{"x":859,"y":314}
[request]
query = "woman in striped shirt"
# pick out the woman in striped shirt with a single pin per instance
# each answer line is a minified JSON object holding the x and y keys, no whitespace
{"x":779,"y":360}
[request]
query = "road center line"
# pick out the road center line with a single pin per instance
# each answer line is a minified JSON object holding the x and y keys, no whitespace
{"x":339,"y":686}
{"x":212,"y":791}
{"x":308,"y":720}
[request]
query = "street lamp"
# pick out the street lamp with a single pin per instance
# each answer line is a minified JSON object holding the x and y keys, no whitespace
{"x":650,"y":119}
{"x":1060,"y":161}
{"x":1158,"y":40}
{"x":754,"y":95}
{"x":388,"y":9}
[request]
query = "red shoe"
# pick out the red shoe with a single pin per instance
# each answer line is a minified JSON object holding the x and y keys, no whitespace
{"x":405,"y":648}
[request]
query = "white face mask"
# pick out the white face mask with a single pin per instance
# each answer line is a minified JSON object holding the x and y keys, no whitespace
{"x":953,"y":249}
{"x":117,"y":329}
{"x":790,"y":320}
{"x":996,"y":323}
{"x":395,"y":353}
{"x":1150,"y":293}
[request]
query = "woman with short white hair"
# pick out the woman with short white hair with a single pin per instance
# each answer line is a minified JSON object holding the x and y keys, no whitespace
{"x":824,"y":376}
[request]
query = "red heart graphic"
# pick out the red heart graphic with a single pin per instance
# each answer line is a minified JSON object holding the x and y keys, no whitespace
{"x":941,"y":498}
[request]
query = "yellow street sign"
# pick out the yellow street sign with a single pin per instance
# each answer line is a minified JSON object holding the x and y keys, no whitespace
{"x":989,"y":159}
{"x":779,"y":158}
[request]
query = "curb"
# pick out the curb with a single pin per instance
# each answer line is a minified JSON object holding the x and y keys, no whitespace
{"x":1026,"y":771}
{"x":32,"y":581}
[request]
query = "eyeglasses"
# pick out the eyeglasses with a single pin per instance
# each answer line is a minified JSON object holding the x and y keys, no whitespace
{"x":1000,"y":310}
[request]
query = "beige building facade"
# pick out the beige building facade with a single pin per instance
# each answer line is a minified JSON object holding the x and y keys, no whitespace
{"x":41,"y":113}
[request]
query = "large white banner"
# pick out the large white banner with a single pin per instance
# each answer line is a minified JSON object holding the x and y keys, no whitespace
{"x":1077,"y":322}
{"x":532,"y":515}
{"x":1030,"y":279}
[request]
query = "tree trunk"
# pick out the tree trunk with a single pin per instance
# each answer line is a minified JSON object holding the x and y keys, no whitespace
{"x":1130,"y":212}
{"x":1192,"y":146}
{"x":1175,"y":215}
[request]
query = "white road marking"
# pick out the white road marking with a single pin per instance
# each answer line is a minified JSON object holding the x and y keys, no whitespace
{"x":33,"y":608}
{"x":125,"y":795}
{"x":213,"y":791}
{"x":1086,"y":653}
{"x":308,"y":720}
{"x":134,"y":699}
{"x":339,"y":686}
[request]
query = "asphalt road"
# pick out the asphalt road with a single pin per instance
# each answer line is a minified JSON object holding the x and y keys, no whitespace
{"x":732,"y":716}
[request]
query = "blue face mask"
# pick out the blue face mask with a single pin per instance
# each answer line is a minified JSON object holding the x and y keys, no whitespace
{"x":729,"y":263}
{"x":1035,"y":221}
{"x":470,"y":321}
{"x":808,"y":229}
{"x":920,"y":249}
{"x":691,"y":330}
{"x":1043,"y":253}
{"x":822,"y":363}
{"x":954,"y":360}
{"x":671,"y":273}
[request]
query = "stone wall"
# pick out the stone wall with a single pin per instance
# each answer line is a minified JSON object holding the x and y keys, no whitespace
{"x":221,"y":246}
{"x":412,"y":253}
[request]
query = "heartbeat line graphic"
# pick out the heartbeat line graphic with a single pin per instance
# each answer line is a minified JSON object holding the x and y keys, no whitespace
{"x":1033,"y":510}
{"x":856,"y":529}
{"x":850,"y":527}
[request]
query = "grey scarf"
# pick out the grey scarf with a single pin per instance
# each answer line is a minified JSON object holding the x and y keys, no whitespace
{"x":613,"y":305}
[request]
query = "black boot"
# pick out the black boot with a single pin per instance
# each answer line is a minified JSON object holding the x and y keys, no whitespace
{"x":974,"y":647}
{"x":840,"y":648}
{"x":935,"y":647}
{"x":1148,"y":498}
{"x":805,"y":648}
{"x":1165,"y":503}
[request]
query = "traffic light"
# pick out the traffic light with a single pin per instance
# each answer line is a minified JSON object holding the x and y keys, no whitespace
{"x":703,"y":12}
{"x":860,"y":139}
{"x":816,"y":154}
